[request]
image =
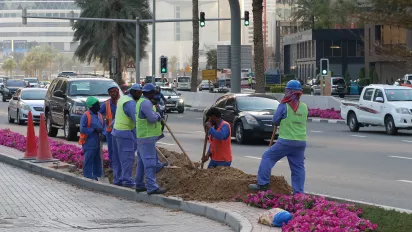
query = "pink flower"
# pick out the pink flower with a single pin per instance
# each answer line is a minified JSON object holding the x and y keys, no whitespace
{"x":329,"y":113}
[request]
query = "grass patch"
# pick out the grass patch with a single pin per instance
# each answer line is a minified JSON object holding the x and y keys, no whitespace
{"x":387,"y":220}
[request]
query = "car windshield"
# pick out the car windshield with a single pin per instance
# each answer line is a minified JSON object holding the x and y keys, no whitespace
{"x":168,"y":92}
{"x":31,"y":80}
{"x":15,"y":83}
{"x":183,"y":79}
{"x":398,"y":94}
{"x":339,"y":81}
{"x":33,"y":94}
{"x":256,"y":103}
{"x":410,"y":78}
{"x":90,"y":88}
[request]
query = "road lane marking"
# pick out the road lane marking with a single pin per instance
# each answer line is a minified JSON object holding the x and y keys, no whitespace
{"x":316,"y":131}
{"x":258,"y":158}
{"x":359,"y":136}
{"x":400,"y":157}
{"x":180,"y":116}
{"x":168,"y":144}
{"x":200,"y":132}
{"x":407,"y":141}
{"x":199,"y":118}
{"x":406,"y":181}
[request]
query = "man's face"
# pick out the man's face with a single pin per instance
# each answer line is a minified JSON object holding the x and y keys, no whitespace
{"x":213,"y":119}
{"x":136,"y":94}
{"x":114,"y":93}
{"x":95,"y":108}
{"x":150,"y":95}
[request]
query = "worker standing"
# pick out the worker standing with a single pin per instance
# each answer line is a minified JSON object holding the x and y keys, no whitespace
{"x":124,"y":138}
{"x":149,"y":129}
{"x":291,"y":116}
{"x":108,"y":109}
{"x":220,"y":149}
{"x":91,"y":127}
{"x":249,"y":81}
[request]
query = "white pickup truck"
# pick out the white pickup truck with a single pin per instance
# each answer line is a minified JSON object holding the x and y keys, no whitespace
{"x":380,"y":105}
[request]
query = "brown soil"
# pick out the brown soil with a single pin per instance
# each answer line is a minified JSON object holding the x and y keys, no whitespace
{"x":216,"y":184}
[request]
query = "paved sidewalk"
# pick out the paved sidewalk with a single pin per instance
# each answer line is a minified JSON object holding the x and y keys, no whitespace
{"x":33,"y":203}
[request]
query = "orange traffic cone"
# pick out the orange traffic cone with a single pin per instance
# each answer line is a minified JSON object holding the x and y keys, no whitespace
{"x":43,"y":152}
{"x":31,"y":146}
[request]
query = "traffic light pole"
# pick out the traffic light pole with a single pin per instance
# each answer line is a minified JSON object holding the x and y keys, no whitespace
{"x":235,"y":38}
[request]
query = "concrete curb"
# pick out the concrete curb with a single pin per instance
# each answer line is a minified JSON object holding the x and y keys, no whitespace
{"x":321,"y":120}
{"x":236,"y":221}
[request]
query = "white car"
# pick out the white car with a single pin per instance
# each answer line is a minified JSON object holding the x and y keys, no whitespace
{"x":380,"y":105}
{"x":205,"y":84}
{"x":25,"y":100}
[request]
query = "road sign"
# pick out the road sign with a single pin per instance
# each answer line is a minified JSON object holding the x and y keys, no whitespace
{"x":209,"y":75}
{"x":224,"y":57}
{"x":188,"y":69}
{"x":131,"y":67}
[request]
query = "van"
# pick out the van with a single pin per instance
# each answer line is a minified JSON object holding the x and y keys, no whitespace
{"x":183,"y":83}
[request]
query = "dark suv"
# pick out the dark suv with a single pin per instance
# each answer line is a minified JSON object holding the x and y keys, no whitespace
{"x":65,"y":102}
{"x":10,"y":87}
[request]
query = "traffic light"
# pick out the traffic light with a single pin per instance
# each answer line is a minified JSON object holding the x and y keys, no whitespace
{"x":23,"y":16}
{"x":247,"y":18}
{"x":202,"y":19}
{"x":163,"y":64}
{"x":324,"y":67}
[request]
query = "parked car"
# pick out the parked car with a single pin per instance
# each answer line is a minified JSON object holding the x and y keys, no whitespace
{"x":380,"y":105}
{"x":65,"y":102}
{"x":338,"y":86}
{"x":67,"y":73}
{"x":25,"y":100}
{"x":10,"y":87}
{"x":249,"y":115}
{"x":33,"y":82}
{"x":174,"y":100}
{"x":205,"y":84}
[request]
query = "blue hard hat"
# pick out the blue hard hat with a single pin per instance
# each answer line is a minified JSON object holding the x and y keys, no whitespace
{"x":137,"y":87}
{"x":149,"y":87}
{"x":112,"y":86}
{"x":294,"y":85}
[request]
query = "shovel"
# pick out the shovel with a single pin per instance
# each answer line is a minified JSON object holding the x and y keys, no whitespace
{"x":180,"y":146}
{"x":164,"y":157}
{"x":273,"y":136}
{"x":204,"y":148}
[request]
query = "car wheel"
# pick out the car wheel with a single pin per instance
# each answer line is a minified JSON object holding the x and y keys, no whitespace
{"x":70,"y":133}
{"x":390,"y":126}
{"x":239,"y":133}
{"x":11,"y":120}
{"x":353,"y":123}
{"x":51,"y":131}
{"x":20,"y":122}
{"x":341,"y":95}
{"x":181,"y":110}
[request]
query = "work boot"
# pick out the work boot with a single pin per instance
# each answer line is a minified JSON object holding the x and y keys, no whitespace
{"x":256,"y":187}
{"x":160,"y":190}
{"x":141,"y":189}
{"x":165,"y":164}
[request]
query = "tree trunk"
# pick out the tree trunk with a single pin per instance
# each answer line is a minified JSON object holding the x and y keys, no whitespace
{"x":258,"y":46}
{"x":195,"y":48}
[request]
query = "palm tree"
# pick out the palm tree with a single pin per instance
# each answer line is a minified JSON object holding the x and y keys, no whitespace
{"x":211,"y":56}
{"x":102,"y":40}
{"x":258,"y":59}
{"x":195,"y":48}
{"x":9,"y":65}
{"x":172,"y":62}
{"x":313,"y":14}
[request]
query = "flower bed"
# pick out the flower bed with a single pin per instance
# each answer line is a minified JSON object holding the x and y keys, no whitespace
{"x":312,"y":213}
{"x":329,"y":113}
{"x":67,"y":153}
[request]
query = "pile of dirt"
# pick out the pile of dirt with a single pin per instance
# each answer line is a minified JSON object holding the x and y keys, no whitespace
{"x":216,"y":184}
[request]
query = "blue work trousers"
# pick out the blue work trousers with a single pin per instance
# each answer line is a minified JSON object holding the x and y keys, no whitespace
{"x":123,"y":160}
{"x":109,"y":139}
{"x":296,"y":158}
{"x":147,"y":165}
{"x":213,"y":164}
{"x":92,"y":165}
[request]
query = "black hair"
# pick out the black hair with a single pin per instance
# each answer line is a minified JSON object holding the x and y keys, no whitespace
{"x":213,"y":112}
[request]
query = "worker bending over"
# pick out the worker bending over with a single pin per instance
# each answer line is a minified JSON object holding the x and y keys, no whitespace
{"x":291,"y":116}
{"x":108,"y":109}
{"x":124,"y":138}
{"x":220,"y":149}
{"x":91,"y":127}
{"x":149,"y":129}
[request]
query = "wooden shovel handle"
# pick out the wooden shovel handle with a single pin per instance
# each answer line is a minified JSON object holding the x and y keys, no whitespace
{"x":204,"y":148}
{"x":275,"y":129}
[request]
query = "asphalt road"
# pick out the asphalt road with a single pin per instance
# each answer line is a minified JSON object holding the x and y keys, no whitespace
{"x":365,"y":166}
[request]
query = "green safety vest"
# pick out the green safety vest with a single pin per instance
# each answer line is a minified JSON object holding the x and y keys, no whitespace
{"x":249,"y":80}
{"x":144,"y":129}
{"x":293,"y":127}
{"x":122,"y":121}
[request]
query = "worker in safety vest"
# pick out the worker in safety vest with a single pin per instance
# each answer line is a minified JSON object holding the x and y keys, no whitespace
{"x":108,"y":109}
{"x":149,"y":130}
{"x":124,"y":138}
{"x":291,"y":116}
{"x":249,"y":81}
{"x":91,"y":127}
{"x":220,"y":149}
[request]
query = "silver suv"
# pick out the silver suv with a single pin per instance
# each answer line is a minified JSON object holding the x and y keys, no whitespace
{"x":338,"y":86}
